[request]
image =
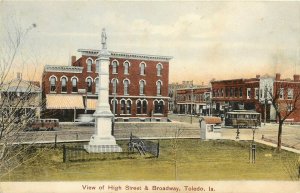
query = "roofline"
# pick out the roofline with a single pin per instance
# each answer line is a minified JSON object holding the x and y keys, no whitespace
{"x":91,"y":52}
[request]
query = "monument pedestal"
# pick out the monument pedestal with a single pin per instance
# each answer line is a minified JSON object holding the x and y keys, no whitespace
{"x":102,"y":140}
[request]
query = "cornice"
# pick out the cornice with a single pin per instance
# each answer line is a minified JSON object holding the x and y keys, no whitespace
{"x":70,"y":69}
{"x":90,"y":52}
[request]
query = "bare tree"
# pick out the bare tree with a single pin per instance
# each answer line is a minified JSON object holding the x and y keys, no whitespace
{"x":16,"y":95}
{"x":286,"y":101}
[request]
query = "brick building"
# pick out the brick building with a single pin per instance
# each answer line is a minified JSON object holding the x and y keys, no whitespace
{"x":256,"y":94}
{"x":138,"y":85}
{"x":194,"y":100}
{"x":173,"y":94}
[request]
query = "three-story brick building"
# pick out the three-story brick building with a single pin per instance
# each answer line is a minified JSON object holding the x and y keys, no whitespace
{"x":138,"y":89}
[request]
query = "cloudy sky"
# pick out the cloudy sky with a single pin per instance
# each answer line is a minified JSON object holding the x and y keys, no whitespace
{"x":208,"y":40}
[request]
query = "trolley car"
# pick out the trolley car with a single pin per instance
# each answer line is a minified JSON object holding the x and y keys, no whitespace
{"x":242,"y":118}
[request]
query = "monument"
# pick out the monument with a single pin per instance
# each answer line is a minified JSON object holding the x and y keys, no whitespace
{"x":102,"y":140}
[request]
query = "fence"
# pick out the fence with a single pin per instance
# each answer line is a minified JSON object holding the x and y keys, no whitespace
{"x":143,"y":146}
{"x":78,"y":153}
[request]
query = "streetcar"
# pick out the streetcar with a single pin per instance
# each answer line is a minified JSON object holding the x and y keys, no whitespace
{"x":242,"y":119}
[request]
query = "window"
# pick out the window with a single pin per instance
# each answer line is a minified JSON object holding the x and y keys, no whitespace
{"x":281,"y":93}
{"x":74,"y":85}
{"x":52,"y":84}
{"x":290,"y":93}
{"x":115,"y":67}
{"x":159,"y":69}
{"x":96,"y":85}
{"x":236,"y":92}
{"x":222,"y":92}
{"x":158,"y":87}
{"x":226,"y":92}
{"x":126,"y":85}
{"x":256,"y":93}
{"x":126,"y":68}
{"x":142,"y":87}
{"x":89,"y":65}
{"x":97,"y":66}
{"x":128,"y":107}
{"x":139,"y":107}
{"x":89,"y":84}
{"x":114,"y":84}
{"x":231,"y":92}
{"x":241,"y":92}
{"x":114,"y":106}
{"x":64,"y":84}
{"x":123,"y":104}
{"x":158,"y":107}
{"x":290,"y":107}
{"x":142,"y":68}
{"x":248,"y":93}
{"x":144,"y":104}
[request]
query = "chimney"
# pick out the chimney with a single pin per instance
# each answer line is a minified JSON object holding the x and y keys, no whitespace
{"x":277,"y":76}
{"x":257,"y":76}
{"x":19,"y":75}
{"x":296,"y":77}
{"x":73,"y":59}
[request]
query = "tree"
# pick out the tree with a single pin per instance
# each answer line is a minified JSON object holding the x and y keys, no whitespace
{"x":15,"y":95}
{"x":286,"y":102}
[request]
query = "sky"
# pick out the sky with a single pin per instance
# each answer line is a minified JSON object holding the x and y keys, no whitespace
{"x":208,"y":40}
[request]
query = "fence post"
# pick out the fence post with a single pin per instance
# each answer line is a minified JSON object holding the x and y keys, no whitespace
{"x":64,"y":154}
{"x":157,"y":153}
{"x":55,"y":140}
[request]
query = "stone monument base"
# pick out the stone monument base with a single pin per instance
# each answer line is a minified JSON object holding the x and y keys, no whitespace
{"x":99,"y":144}
{"x":102,"y":148}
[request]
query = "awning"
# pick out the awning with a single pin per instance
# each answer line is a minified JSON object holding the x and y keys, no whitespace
{"x":64,"y":101}
{"x":91,"y":104}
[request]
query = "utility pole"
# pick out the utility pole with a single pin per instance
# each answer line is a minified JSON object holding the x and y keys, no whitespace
{"x":192,"y":99}
{"x":114,"y":112}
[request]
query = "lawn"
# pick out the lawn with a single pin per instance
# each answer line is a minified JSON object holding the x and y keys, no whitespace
{"x":180,"y":159}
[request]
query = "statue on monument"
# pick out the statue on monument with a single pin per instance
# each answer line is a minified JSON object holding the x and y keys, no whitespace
{"x":103,"y":39}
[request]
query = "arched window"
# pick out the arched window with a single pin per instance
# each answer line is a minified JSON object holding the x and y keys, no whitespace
{"x":114,"y":106}
{"x":89,"y":65}
{"x":114,"y":86}
{"x":96,"y":85}
{"x":126,"y":67}
{"x":158,"y":107}
{"x":128,"y":107}
{"x":89,"y":84}
{"x":97,"y":66}
{"x":158,"y":87}
{"x":139,"y":107}
{"x":74,"y":85}
{"x":144,"y":104}
{"x":142,"y":68}
{"x":123,"y":107}
{"x":126,"y":86}
{"x":159,"y":69}
{"x":52,"y":84}
{"x":142,"y":87}
{"x":115,"y":67}
{"x":63,"y":84}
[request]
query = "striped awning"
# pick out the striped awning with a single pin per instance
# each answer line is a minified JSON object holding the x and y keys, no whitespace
{"x":91,"y":104}
{"x":64,"y":101}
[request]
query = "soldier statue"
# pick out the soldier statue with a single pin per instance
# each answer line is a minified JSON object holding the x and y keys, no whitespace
{"x":103,"y":39}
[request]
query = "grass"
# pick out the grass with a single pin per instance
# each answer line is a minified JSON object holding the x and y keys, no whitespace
{"x":195,"y":160}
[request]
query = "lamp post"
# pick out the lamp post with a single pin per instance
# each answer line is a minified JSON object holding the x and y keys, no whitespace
{"x":192,"y":99}
{"x":114,"y":113}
